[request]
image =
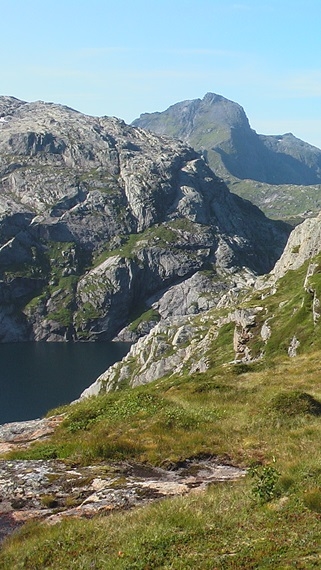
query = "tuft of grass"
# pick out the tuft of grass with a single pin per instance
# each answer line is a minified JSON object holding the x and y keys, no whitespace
{"x":49,"y":501}
{"x":295,"y":402}
{"x":312,"y":499}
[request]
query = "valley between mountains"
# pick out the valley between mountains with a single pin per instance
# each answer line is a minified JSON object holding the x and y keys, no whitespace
{"x":110,"y":231}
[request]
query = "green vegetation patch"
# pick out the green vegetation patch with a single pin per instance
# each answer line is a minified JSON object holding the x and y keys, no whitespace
{"x":290,"y":314}
{"x":160,"y":235}
{"x":64,"y":301}
{"x":312,"y":499}
{"x":222,"y":347}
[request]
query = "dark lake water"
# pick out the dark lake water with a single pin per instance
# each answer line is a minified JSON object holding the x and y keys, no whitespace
{"x":35,"y":377}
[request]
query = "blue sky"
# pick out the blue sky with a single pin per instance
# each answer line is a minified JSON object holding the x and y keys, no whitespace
{"x":127,"y":57}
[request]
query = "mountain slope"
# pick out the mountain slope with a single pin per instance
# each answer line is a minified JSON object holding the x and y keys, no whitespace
{"x":220,"y":127}
{"x":97,"y":217}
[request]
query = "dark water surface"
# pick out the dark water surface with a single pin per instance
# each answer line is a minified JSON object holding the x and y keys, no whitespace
{"x":35,"y":377}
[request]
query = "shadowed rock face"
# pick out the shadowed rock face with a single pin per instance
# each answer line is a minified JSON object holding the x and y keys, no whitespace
{"x":97,"y":216}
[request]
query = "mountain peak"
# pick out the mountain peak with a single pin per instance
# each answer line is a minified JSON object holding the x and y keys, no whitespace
{"x":220,"y":129}
{"x":9,"y":105}
{"x":215,"y":98}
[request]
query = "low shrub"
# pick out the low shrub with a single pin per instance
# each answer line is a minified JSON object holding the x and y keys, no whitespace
{"x":265,"y":485}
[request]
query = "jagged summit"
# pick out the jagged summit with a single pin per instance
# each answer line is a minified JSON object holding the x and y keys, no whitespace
{"x":193,"y":119}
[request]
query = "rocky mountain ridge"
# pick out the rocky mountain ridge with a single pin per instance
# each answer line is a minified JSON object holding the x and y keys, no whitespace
{"x":99,"y":219}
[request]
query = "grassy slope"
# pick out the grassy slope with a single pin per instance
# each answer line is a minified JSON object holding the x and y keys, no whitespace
{"x":254,"y":414}
{"x":225,"y":412}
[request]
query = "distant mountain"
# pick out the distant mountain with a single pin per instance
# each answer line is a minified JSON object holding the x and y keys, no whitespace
{"x":220,"y":130}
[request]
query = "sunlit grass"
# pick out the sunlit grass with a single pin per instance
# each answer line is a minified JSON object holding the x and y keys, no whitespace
{"x":221,"y":528}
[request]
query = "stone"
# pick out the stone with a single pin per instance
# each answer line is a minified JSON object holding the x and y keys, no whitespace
{"x":293,"y":347}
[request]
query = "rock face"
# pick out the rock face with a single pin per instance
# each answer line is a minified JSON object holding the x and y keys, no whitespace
{"x":183,"y":342}
{"x":98,"y":220}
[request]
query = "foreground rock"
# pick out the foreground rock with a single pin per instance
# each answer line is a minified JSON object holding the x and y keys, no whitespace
{"x":52,"y":490}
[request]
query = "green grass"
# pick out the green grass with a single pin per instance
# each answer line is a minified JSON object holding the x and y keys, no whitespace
{"x":289,"y":314}
{"x":288,"y":202}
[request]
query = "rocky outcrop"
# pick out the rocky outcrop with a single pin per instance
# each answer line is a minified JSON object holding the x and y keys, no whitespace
{"x":21,"y":434}
{"x":303,"y":244}
{"x":294,"y":345}
{"x":100,"y":220}
{"x":181,"y":344}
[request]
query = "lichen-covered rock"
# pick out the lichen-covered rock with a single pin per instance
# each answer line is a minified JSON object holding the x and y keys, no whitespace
{"x":294,"y":345}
